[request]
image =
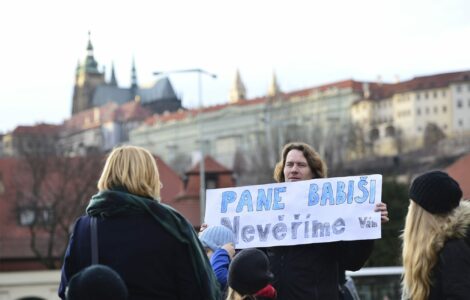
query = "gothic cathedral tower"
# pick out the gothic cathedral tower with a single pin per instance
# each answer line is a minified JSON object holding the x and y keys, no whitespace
{"x":87,"y":78}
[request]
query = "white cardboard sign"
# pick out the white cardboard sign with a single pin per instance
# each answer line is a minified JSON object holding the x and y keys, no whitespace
{"x":301,"y":212}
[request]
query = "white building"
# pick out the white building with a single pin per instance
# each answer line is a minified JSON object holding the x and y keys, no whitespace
{"x":315,"y":115}
{"x":398,"y":117}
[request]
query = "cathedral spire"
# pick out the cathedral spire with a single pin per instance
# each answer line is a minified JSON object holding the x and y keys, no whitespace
{"x":273,"y":89}
{"x":112,"y":80}
{"x":87,"y":79}
{"x":91,"y":66}
{"x":238,"y":91}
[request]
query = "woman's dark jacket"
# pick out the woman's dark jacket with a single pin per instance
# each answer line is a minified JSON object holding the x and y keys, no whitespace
{"x":451,"y":276}
{"x":153,"y":263}
{"x":310,"y":272}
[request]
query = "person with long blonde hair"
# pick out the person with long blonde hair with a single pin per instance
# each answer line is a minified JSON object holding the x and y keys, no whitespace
{"x":150,"y":245}
{"x":436,"y":240}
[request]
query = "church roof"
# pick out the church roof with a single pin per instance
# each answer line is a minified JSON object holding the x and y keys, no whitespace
{"x":109,"y":93}
{"x":161,"y":89}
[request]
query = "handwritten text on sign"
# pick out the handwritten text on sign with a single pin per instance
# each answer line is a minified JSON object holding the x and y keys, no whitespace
{"x":301,"y":212}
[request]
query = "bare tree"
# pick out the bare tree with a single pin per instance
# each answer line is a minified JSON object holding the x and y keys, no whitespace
{"x":52,"y":191}
{"x":355,"y":142}
{"x":432,"y":135}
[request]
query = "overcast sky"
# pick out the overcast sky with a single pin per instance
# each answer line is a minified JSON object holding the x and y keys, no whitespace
{"x":307,"y":43}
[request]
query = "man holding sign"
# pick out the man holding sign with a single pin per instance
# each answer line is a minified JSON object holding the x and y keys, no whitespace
{"x":312,"y":271}
{"x":313,"y":228}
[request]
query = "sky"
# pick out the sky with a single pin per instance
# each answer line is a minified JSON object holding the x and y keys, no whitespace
{"x":306,"y":44}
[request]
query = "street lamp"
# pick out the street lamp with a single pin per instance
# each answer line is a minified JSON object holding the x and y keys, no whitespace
{"x":202,"y":172}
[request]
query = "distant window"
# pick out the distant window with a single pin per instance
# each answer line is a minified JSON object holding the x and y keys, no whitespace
{"x":444,"y":108}
{"x":459,"y":104}
{"x":435,"y":109}
{"x":390,"y":131}
{"x":427,"y":110}
{"x":458,"y":88}
{"x":28,"y":216}
{"x":443,"y":93}
{"x":468,"y":102}
{"x":211,"y":184}
{"x":419,"y":128}
{"x":460,"y":123}
{"x":426,"y":95}
{"x":445,"y":126}
{"x":374,"y":134}
{"x":434,"y":94}
{"x":418,"y":111}
{"x":417,"y":96}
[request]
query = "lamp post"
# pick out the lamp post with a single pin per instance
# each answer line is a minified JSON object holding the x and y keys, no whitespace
{"x":202,"y":171}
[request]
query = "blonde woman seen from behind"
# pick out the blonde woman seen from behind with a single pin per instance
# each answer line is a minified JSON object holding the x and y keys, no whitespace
{"x":436,"y":240}
{"x":152,"y":247}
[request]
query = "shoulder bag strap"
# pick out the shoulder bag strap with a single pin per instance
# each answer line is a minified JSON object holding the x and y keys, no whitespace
{"x":94,"y":240}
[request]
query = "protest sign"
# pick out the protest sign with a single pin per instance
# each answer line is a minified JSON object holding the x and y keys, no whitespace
{"x":301,"y":212}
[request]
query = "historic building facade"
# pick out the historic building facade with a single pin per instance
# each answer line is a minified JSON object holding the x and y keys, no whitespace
{"x":91,"y":89}
{"x":413,"y":114}
{"x":254,"y":128}
{"x":344,"y":120}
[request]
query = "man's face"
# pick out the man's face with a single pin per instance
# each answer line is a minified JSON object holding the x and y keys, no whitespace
{"x":296,"y":167}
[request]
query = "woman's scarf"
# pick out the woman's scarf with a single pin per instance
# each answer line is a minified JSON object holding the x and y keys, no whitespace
{"x":114,"y":202}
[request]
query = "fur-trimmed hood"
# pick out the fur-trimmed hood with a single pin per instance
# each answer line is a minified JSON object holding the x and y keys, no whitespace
{"x":457,"y":227}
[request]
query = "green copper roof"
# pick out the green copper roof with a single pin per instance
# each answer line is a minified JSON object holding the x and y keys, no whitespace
{"x":91,"y":66}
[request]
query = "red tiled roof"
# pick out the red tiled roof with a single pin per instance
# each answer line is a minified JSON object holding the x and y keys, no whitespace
{"x":188,"y":200}
{"x":460,"y":172}
{"x":433,"y":81}
{"x":86,"y":119}
{"x":211,"y":166}
{"x":110,"y":112}
{"x":172,"y":183}
{"x":343,"y":84}
{"x":384,"y":91}
{"x":354,"y":85}
{"x":42,"y":128}
{"x":131,"y":111}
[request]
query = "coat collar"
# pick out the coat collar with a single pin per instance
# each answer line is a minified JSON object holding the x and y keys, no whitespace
{"x":456,"y":228}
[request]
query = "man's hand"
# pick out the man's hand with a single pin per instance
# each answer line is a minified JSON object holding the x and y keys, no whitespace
{"x":382,"y":207}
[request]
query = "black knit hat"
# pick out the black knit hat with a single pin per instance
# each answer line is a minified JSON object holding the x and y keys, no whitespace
{"x":97,"y":282}
{"x":249,"y":272}
{"x":436,"y":192}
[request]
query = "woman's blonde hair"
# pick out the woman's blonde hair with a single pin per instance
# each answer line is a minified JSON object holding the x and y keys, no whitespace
{"x":234,"y":295}
{"x":419,"y":250}
{"x":315,"y":162}
{"x":133,"y":168}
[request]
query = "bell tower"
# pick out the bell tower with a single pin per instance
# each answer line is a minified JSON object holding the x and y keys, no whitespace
{"x":87,"y":78}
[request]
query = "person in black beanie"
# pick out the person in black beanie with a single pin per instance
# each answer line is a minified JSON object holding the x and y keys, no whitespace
{"x":248,"y":274}
{"x":436,"y":240}
{"x":97,"y":282}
